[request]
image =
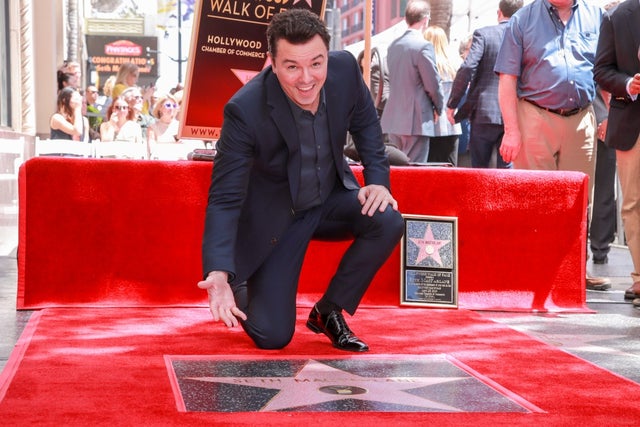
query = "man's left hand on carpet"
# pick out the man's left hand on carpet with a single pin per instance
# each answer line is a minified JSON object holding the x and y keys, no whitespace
{"x":221,"y":301}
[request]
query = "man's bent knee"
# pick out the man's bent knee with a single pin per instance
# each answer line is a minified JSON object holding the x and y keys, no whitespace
{"x":392,"y":224}
{"x":269,"y":340}
{"x":271,"y":343}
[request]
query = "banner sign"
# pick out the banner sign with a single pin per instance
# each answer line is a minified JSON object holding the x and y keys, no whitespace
{"x":228,"y":48}
{"x":106,"y":53}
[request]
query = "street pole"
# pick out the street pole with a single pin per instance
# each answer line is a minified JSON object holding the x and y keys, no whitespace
{"x":180,"y":41}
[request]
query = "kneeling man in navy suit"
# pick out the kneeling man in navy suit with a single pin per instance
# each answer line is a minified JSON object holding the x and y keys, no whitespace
{"x":280,"y":179}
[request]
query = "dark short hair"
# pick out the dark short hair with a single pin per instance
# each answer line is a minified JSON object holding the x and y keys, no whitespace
{"x":509,"y":7}
{"x":297,"y":26}
{"x":65,"y":79}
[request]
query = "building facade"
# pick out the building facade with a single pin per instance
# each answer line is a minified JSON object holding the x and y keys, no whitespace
{"x":40,"y":35}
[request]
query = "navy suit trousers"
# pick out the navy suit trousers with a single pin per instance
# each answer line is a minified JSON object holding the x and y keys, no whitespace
{"x":269,"y":295}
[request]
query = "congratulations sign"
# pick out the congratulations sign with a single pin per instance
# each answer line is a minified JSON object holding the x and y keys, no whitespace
{"x":228,"y":48}
{"x":107,"y":53}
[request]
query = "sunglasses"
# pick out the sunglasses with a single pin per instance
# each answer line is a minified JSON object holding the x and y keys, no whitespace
{"x":171,"y":105}
{"x":121,"y":107}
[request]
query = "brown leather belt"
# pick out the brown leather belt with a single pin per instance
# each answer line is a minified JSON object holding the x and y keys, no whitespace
{"x":560,"y":111}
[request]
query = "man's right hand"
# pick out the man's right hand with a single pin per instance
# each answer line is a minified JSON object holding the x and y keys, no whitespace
{"x":221,"y":301}
{"x":510,"y":146}
{"x":451,"y":112}
{"x":634,"y":86}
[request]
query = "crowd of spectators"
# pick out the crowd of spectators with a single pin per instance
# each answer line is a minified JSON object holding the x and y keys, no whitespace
{"x":119,"y":111}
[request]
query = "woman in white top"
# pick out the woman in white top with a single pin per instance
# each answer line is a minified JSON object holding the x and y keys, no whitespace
{"x":165,"y":128}
{"x":120,"y":126}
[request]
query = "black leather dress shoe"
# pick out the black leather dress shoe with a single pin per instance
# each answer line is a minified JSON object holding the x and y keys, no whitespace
{"x":335,"y":327}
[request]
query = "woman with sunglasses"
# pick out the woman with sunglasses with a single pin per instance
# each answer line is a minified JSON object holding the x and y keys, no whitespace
{"x":120,"y":126}
{"x":165,"y":128}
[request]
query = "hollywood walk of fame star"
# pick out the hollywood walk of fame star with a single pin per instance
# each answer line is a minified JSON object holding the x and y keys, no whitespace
{"x":429,"y":247}
{"x":318,"y":383}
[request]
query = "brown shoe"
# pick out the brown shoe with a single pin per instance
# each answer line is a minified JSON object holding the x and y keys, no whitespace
{"x":633,"y":292}
{"x":598,"y":283}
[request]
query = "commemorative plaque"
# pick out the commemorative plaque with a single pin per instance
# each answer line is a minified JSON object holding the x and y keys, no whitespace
{"x":429,"y":261}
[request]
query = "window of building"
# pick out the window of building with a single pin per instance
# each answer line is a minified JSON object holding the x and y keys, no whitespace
{"x":403,"y":6}
{"x":5,"y":67}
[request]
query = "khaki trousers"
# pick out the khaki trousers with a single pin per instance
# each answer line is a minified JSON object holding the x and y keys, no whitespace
{"x":629,"y":174}
{"x":553,"y":142}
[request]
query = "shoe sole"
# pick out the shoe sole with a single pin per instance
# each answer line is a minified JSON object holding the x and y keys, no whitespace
{"x":598,"y":287}
{"x":631,"y":295}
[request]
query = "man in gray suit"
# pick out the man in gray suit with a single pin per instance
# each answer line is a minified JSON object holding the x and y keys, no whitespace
{"x":481,"y":106}
{"x":415,"y":93}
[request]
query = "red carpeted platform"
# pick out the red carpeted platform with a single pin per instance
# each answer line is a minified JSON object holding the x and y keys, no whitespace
{"x":108,"y":367}
{"x":105,"y":232}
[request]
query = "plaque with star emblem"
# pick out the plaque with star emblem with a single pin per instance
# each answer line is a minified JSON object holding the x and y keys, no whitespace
{"x":429,"y":260}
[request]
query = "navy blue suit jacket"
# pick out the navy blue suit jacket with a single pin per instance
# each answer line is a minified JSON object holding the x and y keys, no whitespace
{"x":616,"y":61}
{"x":476,"y":74}
{"x":257,"y":166}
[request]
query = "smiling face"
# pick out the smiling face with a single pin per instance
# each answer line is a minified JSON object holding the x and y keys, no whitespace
{"x":121,"y":108}
{"x":134,"y":98}
{"x":91,"y":94}
{"x":168,"y":109}
{"x":301,"y":70}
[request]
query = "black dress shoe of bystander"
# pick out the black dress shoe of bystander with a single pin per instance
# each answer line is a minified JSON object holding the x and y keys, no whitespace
{"x":601,"y":260}
{"x":335,"y":327}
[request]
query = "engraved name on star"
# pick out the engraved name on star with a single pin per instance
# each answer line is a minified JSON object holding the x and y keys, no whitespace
{"x":318,"y":383}
{"x":429,"y":247}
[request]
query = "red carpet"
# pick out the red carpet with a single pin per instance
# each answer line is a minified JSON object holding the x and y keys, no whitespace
{"x":106,"y":366}
{"x":129,"y":233}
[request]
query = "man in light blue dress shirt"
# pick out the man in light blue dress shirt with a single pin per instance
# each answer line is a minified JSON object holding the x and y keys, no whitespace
{"x":546,"y":89}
